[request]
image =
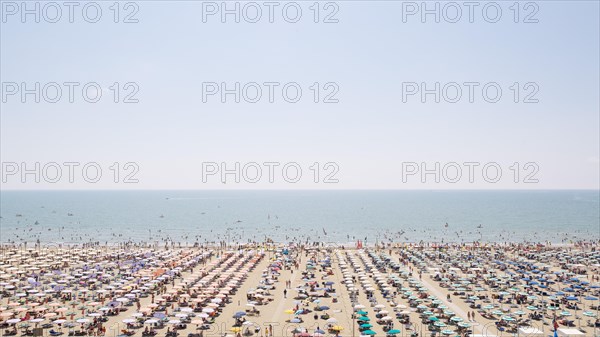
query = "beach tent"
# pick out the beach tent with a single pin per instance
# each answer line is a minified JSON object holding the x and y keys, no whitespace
{"x":569,"y":332}
{"x":530,"y":331}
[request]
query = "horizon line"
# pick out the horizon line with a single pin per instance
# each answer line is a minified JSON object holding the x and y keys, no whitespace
{"x":298,"y":190}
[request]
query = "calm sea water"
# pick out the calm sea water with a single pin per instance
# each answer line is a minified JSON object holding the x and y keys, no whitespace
{"x":330,"y":216}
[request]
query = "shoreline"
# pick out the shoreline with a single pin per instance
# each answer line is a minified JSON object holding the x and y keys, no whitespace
{"x":29,"y":245}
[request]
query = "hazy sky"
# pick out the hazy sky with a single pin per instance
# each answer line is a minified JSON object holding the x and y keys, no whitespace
{"x":372,"y":57}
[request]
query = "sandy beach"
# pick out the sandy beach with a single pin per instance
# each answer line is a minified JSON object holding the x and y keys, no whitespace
{"x":268,"y":289}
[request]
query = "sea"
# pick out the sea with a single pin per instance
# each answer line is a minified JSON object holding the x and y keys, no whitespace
{"x":186,"y":217}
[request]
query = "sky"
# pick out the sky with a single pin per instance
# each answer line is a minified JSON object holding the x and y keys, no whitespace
{"x":370,"y":127}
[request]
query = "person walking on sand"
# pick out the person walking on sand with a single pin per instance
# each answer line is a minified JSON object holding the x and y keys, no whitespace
{"x":284,"y":293}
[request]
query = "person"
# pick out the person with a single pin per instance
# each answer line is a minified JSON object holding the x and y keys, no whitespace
{"x":284,"y":293}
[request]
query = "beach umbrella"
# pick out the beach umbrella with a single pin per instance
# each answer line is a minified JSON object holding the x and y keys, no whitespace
{"x":332,"y":320}
{"x":439,"y":324}
{"x":456,"y":319}
{"x":366,"y":325}
{"x":393,"y":332}
{"x":235,"y":329}
{"x":363,"y":318}
{"x":7,"y":314}
{"x":362,"y":312}
{"x":13,"y":321}
{"x":129,"y":320}
{"x":447,"y":332}
{"x":337,"y":328}
{"x":589,"y":314}
{"x":433,"y":318}
{"x":369,"y":332}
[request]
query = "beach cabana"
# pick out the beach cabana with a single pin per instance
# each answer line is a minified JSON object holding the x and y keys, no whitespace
{"x":569,"y":332}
